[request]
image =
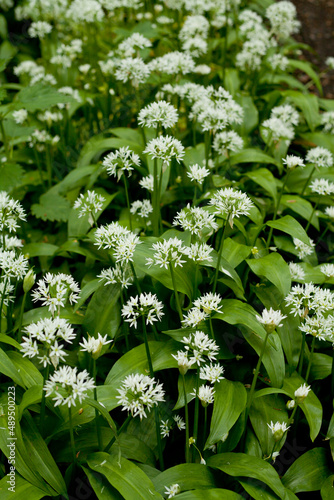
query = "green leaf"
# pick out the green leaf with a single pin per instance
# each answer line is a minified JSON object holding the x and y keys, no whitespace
{"x":311,"y":405}
{"x":239,"y":464}
{"x":87,"y":291}
{"x":22,"y":489}
{"x":27,"y":370}
{"x":250,"y":155}
{"x":6,"y":339}
{"x":289,"y":225}
{"x":187,"y":476}
{"x":230,"y":401}
{"x":327,"y":489}
{"x":302,"y":207}
{"x":39,"y":249}
{"x":11,"y":176}
{"x":190,"y":383}
{"x":129,"y":134}
{"x":209,"y":494}
{"x":103,"y":315}
{"x":126,"y":477}
{"x":265,"y":179}
{"x":308,"y":472}
{"x":9,"y":369}
{"x":235,"y":253}
{"x":98,"y":144}
{"x":291,"y":338}
{"x":251,"y":114}
{"x":274,"y":268}
{"x":194,"y":155}
{"x":40,"y":97}
{"x":51,"y":207}
{"x":101,"y":486}
{"x":307,"y":68}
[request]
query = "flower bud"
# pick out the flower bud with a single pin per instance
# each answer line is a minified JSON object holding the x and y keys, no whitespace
{"x":29,"y":281}
{"x":290,"y":404}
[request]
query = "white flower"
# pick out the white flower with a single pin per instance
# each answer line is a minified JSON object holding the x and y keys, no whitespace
{"x":118,"y":274}
{"x":205,"y":394}
{"x":202,"y":69}
{"x":125,"y":249}
{"x":139,"y":393}
{"x":302,"y":392}
{"x":68,"y":387}
{"x":145,"y":304}
{"x":302,"y":248}
{"x":319,"y":326}
{"x":329,"y":211}
{"x":173,"y":490}
{"x":85,"y":11}
{"x":278,"y":429}
{"x":278,"y":62}
{"x":165,"y":428}
{"x":327,"y":270}
{"x":330,"y":62}
{"x":10,"y":212}
{"x":209,"y":302}
{"x":227,"y":141}
{"x":180,"y":423}
{"x":194,"y":25}
{"x":39,"y":29}
{"x":147,"y":183}
{"x":327,"y":120}
{"x":292,"y":162}
{"x":212,"y":373}
{"x":160,"y":113}
{"x":122,"y":160}
{"x":55,"y":289}
{"x":307,"y":298}
{"x":141,"y":207}
{"x":320,"y":156}
{"x":195,"y":220}
{"x":167,"y":252}
{"x":271,"y":319}
{"x":322,"y":187}
{"x":277,"y":129}
{"x":109,"y":236}
{"x":94,"y":345}
{"x":89,"y":203}
{"x":296,"y":272}
{"x":197,"y":173}
{"x":183,"y":361}
{"x":173,"y":63}
{"x":200,"y":346}
{"x":13,"y":266}
{"x":165,"y":148}
{"x":231,"y":203}
{"x":194,"y":317}
{"x":6,"y":289}
{"x":20,"y":116}
{"x":133,"y":70}
{"x":199,"y":252}
{"x":132,"y":44}
{"x":282,"y":17}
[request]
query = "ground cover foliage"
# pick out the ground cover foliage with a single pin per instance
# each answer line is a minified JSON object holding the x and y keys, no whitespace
{"x":166,"y":218}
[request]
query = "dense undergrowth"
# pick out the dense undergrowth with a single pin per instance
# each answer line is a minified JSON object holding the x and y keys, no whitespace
{"x":167,"y":239}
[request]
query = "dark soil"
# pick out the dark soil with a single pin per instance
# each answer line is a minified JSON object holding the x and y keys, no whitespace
{"x":317,"y":18}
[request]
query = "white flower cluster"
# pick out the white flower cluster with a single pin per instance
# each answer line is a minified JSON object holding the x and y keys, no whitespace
{"x":165,"y":148}
{"x":118,"y":274}
{"x":54,"y":290}
{"x":167,"y":252}
{"x":320,"y":156}
{"x":47,"y":332}
{"x":39,"y":29}
{"x":68,"y":386}
{"x":122,"y":160}
{"x":133,"y":44}
{"x":271,"y":319}
{"x":303,"y":249}
{"x":282,"y":17}
{"x":203,"y":307}
{"x":198,"y":348}
{"x":94,"y":345}
{"x":319,"y":326}
{"x":10,"y":212}
{"x":196,"y":220}
{"x":227,"y":141}
{"x":146,"y":305}
{"x":197,"y":173}
{"x":327,"y":120}
{"x":308,"y":298}
{"x":13,"y":266}
{"x":156,"y":114}
{"x":141,"y":207}
{"x":139,"y":394}
{"x":90,"y":203}
{"x":281,"y":123}
{"x":322,"y":186}
{"x":133,"y":70}
{"x":166,"y":425}
{"x":173,"y":63}
{"x":296,"y":271}
{"x":231,"y":203}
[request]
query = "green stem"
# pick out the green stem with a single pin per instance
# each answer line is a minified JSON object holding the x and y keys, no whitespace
{"x":323,"y":234}
{"x":332,"y":378}
{"x":225,"y":45}
{"x":177,"y":301}
{"x":307,"y":182}
{"x":187,"y":419}
{"x":205,"y":424}
{"x":196,"y":414}
{"x":211,"y":328}
{"x":135,"y":277}
{"x":220,"y":255}
{"x":314,"y":209}
{"x":301,"y":359}
{"x":42,"y":412}
{"x":3,"y":296}
{"x":127,"y":199}
{"x":156,"y":199}
{"x":255,"y":376}
{"x":122,"y":428}
{"x":98,"y":428}
{"x":49,"y":166}
{"x":310,"y":360}
{"x":126,"y":326}
{"x":147,"y":348}
{"x":19,"y":335}
{"x":277,"y":207}
{"x":72,"y":435}
{"x":4,"y":137}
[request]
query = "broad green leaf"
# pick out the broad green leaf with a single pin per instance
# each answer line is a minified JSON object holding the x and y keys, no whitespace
{"x":235,"y":253}
{"x":265,"y":179}
{"x":230,"y":401}
{"x":319,"y":139}
{"x":87,"y":291}
{"x":266,"y":409}
{"x":253,"y":156}
{"x":102,"y":488}
{"x":187,"y":476}
{"x":103,"y":315}
{"x":301,"y":207}
{"x":31,"y":396}
{"x":51,"y":207}
{"x":311,"y":405}
{"x":256,"y":490}
{"x":289,"y":225}
{"x":251,"y":114}
{"x":190,"y":383}
{"x":308,"y":104}
{"x":209,"y":494}
{"x":274,"y":268}
{"x":321,"y":366}
{"x":11,"y":176}
{"x":307,"y":68}
{"x":27,"y":370}
{"x":308,"y":472}
{"x":327,"y":489}
{"x":129,"y":134}
{"x":236,"y":312}
{"x":39,"y":249}
{"x":6,"y":339}
{"x":291,"y":338}
{"x":98,"y":144}
{"x":22,"y":489}
{"x":239,"y":464}
{"x":8,"y":369}
{"x":131,"y":482}
{"x":40,"y":97}
{"x":194,"y":155}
